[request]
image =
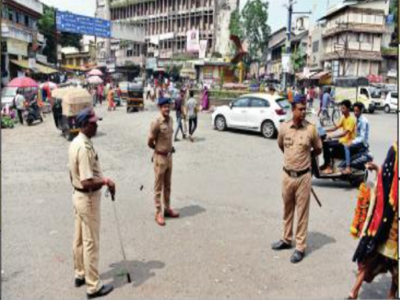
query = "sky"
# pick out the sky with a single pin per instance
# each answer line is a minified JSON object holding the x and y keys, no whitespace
{"x":277,"y":11}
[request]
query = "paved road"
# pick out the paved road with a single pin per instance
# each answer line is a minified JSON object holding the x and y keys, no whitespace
{"x":227,"y":187}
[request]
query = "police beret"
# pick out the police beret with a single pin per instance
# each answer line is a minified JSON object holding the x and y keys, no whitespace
{"x":163,"y":101}
{"x":299,"y":98}
{"x":85,"y":116}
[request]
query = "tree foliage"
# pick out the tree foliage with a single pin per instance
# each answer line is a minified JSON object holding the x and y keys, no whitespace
{"x":394,"y":10}
{"x":46,"y":25}
{"x":298,"y":60}
{"x":255,"y":28}
{"x":235,"y":24}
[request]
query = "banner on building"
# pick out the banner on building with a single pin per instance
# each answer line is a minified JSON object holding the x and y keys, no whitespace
{"x":17,"y":47}
{"x":69,"y":22}
{"x":286,"y":64}
{"x":128,"y":32}
{"x":203,"y":49}
{"x":193,"y":41}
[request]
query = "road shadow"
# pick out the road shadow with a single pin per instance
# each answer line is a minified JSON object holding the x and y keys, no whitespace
{"x":378,"y":289}
{"x":140,"y":272}
{"x":318,"y":240}
{"x":328,"y":183}
{"x":99,"y":134}
{"x":191,"y":210}
{"x":199,"y":139}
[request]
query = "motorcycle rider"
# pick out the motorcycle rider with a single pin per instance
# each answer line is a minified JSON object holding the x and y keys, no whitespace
{"x":361,"y":141}
{"x":336,"y":142}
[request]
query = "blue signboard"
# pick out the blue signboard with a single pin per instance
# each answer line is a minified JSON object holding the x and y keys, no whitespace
{"x":69,"y":22}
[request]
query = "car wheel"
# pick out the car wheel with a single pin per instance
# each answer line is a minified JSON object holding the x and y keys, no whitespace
{"x":371,"y":110}
{"x":220,"y":123}
{"x":268,"y":130}
{"x":387,"y":109}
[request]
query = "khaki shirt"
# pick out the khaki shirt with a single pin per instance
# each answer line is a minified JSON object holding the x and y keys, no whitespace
{"x":162,"y":131}
{"x":297,"y":144}
{"x":83,"y":161}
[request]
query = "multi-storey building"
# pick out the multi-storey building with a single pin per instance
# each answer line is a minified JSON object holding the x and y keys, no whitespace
{"x":166,"y":24}
{"x":20,"y":37}
{"x":352,"y":37}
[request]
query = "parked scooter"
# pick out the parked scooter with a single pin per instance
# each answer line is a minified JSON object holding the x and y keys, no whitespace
{"x":358,"y":161}
{"x":32,"y":113}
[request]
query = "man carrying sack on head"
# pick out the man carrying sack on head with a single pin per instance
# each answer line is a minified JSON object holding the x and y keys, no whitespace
{"x":160,"y":140}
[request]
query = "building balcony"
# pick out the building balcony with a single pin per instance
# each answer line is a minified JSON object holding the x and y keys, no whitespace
{"x":352,"y":55}
{"x":16,"y":31}
{"x":33,"y":5}
{"x":353,"y":27}
{"x":128,"y":61}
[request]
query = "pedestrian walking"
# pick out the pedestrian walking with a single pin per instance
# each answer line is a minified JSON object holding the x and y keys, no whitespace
{"x":311,"y":96}
{"x":20,"y":105}
{"x":205,"y":101}
{"x":100,"y":93}
{"x":87,"y":180}
{"x":297,"y":139}
{"x":184,"y":112}
{"x":110,"y":100}
{"x":179,"y":115}
{"x":160,"y":140}
{"x":192,"y":110}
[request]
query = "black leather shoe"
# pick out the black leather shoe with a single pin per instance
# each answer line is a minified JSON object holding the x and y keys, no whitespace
{"x":281,"y":245}
{"x":105,"y":290}
{"x":297,"y":257}
{"x":79,"y":282}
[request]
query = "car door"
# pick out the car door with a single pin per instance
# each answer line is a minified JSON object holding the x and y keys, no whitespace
{"x":238,"y":112}
{"x":260,"y":110}
{"x":394,"y":100}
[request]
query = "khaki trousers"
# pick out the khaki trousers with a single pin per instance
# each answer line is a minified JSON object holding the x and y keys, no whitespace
{"x":162,"y":184}
{"x":296,"y":196}
{"x":86,"y":240}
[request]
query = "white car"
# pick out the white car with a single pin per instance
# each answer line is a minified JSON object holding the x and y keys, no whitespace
{"x":391,"y":103}
{"x":255,"y":112}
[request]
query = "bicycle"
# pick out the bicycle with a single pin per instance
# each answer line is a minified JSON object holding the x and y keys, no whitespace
{"x":333,"y":118}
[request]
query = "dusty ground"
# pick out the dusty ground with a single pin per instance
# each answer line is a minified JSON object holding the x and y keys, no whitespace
{"x":227,"y":187}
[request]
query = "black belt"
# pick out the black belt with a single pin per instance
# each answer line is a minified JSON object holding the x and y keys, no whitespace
{"x":87,"y":191}
{"x":296,"y":174}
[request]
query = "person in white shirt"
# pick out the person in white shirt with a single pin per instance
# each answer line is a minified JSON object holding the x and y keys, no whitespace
{"x":192,"y":110}
{"x":20,"y":105}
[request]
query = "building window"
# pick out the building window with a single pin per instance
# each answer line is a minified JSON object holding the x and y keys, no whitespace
{"x":26,"y":21}
{"x":11,"y":15}
{"x":129,"y":53}
{"x":315,"y":46}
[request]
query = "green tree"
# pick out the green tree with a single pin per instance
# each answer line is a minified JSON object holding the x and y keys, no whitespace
{"x":394,"y":10}
{"x":255,"y":28}
{"x":235,"y":24}
{"x":46,"y":26}
{"x":298,"y":60}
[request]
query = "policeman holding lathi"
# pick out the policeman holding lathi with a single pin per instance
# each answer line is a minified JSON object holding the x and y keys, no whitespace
{"x":297,"y":139}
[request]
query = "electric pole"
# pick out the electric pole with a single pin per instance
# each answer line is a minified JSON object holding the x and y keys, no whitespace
{"x":287,"y":45}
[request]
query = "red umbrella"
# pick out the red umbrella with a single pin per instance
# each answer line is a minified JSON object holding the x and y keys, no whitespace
{"x":23,"y":82}
{"x":95,"y":72}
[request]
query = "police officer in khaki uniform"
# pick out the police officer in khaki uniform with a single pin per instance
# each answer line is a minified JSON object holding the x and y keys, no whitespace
{"x":87,"y":180}
{"x":160,"y":140}
{"x":298,"y":140}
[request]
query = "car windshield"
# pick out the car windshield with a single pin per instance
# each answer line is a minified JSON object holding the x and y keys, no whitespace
{"x":375,"y":92}
{"x":395,"y":95}
{"x":9,"y":92}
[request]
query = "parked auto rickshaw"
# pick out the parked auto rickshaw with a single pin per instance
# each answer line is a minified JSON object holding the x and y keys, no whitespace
{"x":133,"y":94}
{"x":67,"y":103}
